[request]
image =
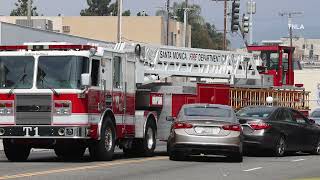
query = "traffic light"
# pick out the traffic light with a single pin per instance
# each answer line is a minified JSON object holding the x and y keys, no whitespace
{"x":235,"y":15}
{"x":245,"y":24}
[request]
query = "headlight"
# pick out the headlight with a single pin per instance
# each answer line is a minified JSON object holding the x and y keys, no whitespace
{"x":62,"y":108}
{"x":6,"y":108}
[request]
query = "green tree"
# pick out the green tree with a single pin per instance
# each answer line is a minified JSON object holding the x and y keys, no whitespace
{"x":102,"y":8}
{"x":22,"y":9}
{"x":126,"y":13}
{"x":143,"y":13}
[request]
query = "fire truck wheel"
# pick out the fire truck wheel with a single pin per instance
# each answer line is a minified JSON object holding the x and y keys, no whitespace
{"x":145,"y":146}
{"x":103,"y":149}
{"x":16,"y":152}
{"x":149,"y":141}
{"x":73,"y":152}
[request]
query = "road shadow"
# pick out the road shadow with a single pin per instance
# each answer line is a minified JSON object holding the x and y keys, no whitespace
{"x":270,"y":154}
{"x":215,"y":159}
{"x":50,"y":157}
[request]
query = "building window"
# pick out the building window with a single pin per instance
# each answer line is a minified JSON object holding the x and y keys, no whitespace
{"x":303,"y":46}
{"x":66,"y":29}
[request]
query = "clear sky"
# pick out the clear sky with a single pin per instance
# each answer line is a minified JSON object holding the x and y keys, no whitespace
{"x":267,"y":22}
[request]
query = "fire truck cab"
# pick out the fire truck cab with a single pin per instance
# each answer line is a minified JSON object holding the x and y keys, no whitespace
{"x":73,"y":97}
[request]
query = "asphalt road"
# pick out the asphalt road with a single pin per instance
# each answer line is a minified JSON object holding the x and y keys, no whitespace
{"x":44,"y":165}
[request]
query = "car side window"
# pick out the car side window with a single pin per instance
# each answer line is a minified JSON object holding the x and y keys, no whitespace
{"x":284,"y":115}
{"x":299,"y":118}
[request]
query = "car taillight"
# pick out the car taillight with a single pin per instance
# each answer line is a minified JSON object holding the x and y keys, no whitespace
{"x":233,"y":127}
{"x":6,"y":108}
{"x":259,"y":126}
{"x":182,"y":125}
{"x":62,"y":108}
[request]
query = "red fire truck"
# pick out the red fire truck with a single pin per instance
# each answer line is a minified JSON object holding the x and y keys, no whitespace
{"x":72,"y":97}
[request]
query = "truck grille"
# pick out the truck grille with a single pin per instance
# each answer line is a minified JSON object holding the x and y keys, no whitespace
{"x":33,"y":109}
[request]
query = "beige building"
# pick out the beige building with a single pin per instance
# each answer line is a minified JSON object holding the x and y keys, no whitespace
{"x":307,"y":50}
{"x":144,"y":29}
{"x":310,"y":78}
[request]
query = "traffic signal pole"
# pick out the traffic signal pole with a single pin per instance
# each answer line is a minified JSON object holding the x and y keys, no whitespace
{"x":225,"y":26}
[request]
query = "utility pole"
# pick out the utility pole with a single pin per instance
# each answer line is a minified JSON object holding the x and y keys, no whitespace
{"x":251,"y":9}
{"x":185,"y":26}
{"x":119,"y":36}
{"x":290,"y":16}
{"x":168,"y":20}
{"x":225,"y":26}
{"x":29,"y":11}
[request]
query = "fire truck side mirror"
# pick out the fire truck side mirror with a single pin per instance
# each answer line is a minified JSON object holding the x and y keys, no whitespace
{"x":85,"y":79}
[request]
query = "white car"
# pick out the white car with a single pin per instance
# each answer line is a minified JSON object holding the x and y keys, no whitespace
{"x":315,"y":115}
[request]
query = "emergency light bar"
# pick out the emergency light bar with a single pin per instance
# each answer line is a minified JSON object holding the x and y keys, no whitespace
{"x":46,"y":47}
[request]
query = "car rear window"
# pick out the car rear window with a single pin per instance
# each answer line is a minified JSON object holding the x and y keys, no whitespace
{"x":259,"y":112}
{"x":315,"y":114}
{"x":207,"y":111}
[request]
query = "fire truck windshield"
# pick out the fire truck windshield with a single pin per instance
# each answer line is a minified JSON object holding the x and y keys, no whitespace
{"x":16,"y":72}
{"x":61,"y":72}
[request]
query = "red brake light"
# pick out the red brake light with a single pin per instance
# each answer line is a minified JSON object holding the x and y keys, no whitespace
{"x":181,"y":125}
{"x":259,"y":126}
{"x":233,"y":127}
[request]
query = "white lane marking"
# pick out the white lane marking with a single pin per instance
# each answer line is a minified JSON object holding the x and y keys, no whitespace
{"x":253,"y":169}
{"x":297,"y":160}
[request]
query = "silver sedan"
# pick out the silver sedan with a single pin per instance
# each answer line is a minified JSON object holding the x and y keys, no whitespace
{"x":207,"y":129}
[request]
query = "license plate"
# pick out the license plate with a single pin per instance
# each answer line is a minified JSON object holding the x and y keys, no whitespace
{"x":207,"y":130}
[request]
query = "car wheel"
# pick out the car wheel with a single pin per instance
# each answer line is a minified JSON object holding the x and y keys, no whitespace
{"x":238,"y":157}
{"x":280,"y":147}
{"x":316,"y":149}
{"x":177,"y":156}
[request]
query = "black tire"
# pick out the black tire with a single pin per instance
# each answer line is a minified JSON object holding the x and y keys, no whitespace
{"x":176,"y":155}
{"x":149,"y":141}
{"x":146,"y":146}
{"x":316,"y":149}
{"x":15,"y":152}
{"x":280,"y":147}
{"x":103,"y":149}
{"x":237,"y":157}
{"x":72,"y":152}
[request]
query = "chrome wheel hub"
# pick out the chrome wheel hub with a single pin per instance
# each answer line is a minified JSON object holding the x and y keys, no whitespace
{"x":150,"y":138}
{"x":281,"y":147}
{"x":318,"y":148}
{"x":108,"y":139}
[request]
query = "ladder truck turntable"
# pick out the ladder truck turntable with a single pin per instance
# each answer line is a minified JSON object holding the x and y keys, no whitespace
{"x":70,"y":97}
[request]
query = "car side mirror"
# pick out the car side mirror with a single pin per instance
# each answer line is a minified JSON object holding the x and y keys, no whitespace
{"x":170,"y":118}
{"x":85,"y":79}
{"x":312,"y":121}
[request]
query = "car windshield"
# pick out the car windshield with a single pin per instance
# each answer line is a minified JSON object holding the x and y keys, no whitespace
{"x":61,"y":72}
{"x":261,"y":112}
{"x":16,"y":72}
{"x":207,"y":111}
{"x":315,"y":114}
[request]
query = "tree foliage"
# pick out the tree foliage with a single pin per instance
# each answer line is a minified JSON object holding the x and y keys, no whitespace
{"x":102,"y":8}
{"x":203,"y":34}
{"x":22,"y":9}
{"x":143,"y":13}
{"x":126,"y":13}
